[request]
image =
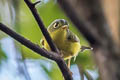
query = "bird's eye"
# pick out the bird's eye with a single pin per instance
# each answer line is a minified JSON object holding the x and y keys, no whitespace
{"x":56,"y":25}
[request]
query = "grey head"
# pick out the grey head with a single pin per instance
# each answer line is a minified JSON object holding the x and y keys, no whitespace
{"x":56,"y":24}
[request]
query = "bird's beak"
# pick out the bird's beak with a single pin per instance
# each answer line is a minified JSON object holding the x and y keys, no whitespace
{"x":65,"y":27}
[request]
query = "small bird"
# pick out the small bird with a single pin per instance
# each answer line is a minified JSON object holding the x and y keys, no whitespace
{"x":66,"y":41}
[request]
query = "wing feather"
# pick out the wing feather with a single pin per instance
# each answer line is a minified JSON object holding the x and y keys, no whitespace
{"x":72,"y":37}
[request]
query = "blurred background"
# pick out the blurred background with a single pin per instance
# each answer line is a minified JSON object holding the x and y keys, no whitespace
{"x":20,"y":63}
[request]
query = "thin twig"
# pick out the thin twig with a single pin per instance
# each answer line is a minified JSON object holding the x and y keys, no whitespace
{"x":41,"y":25}
{"x":36,"y":3}
{"x":50,"y":55}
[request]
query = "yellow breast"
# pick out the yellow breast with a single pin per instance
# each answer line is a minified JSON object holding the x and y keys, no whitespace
{"x":67,"y":48}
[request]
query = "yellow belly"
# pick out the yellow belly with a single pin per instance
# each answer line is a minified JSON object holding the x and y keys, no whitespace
{"x":71,"y":49}
{"x":68,"y":49}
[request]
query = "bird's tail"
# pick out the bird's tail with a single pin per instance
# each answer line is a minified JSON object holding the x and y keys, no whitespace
{"x":83,"y":48}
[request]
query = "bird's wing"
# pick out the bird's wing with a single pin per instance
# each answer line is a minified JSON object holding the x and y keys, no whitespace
{"x":72,"y":37}
{"x":42,"y":42}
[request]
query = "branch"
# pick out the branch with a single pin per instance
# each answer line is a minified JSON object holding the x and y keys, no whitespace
{"x":50,"y":55}
{"x":64,"y":69}
{"x":41,"y":25}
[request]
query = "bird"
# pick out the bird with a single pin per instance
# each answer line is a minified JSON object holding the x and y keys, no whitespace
{"x":66,"y":41}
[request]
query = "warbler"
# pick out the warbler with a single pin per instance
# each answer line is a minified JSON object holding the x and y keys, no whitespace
{"x":66,"y":41}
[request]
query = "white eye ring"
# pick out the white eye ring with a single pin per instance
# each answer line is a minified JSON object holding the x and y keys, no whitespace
{"x":56,"y":25}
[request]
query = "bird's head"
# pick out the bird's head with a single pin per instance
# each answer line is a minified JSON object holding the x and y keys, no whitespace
{"x":58,"y":25}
